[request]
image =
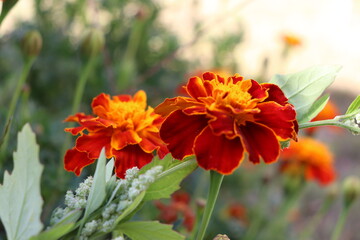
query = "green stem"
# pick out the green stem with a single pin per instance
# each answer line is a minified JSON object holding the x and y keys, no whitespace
{"x":314,"y":222}
{"x":215,"y":184}
{"x":79,"y":91}
{"x":340,"y":223}
{"x":5,"y":138}
{"x":328,"y":122}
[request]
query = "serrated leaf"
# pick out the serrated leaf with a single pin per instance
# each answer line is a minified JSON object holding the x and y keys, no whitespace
{"x":54,"y":232}
{"x":149,"y":230}
{"x":316,"y":108}
{"x":354,"y":106}
{"x":169,"y":180}
{"x":303,"y":88}
{"x":128,"y":211}
{"x":20,"y":197}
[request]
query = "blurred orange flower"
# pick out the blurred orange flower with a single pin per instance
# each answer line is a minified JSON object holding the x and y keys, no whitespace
{"x":180,"y":204}
{"x":128,"y":131}
{"x":291,"y":40}
{"x":310,"y":159}
{"x":329,"y":112}
{"x":222,"y":118}
{"x":237,"y":211}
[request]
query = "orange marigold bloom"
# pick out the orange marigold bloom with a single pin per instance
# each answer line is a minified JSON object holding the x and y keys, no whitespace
{"x":128,"y":131}
{"x":291,"y":40}
{"x":310,"y":159}
{"x":222,"y":118}
{"x":179,"y":205}
{"x":329,"y":112}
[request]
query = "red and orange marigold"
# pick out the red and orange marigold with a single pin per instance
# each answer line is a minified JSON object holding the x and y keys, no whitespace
{"x":122,"y":124}
{"x":223,"y":118}
{"x":308,"y":159}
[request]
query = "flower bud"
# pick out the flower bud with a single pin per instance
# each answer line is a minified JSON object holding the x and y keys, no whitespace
{"x":31,"y":44}
{"x":221,"y":237}
{"x":351,"y":188}
{"x":93,"y":42}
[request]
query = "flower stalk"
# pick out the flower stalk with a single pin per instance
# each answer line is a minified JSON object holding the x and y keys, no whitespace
{"x":215,"y":184}
{"x":5,"y":138}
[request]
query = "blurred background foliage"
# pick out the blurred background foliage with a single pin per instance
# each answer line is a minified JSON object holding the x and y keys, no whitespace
{"x":139,"y":53}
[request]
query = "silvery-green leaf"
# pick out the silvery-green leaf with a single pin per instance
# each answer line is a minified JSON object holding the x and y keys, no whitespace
{"x":303,"y":88}
{"x":354,"y":106}
{"x":20,"y":198}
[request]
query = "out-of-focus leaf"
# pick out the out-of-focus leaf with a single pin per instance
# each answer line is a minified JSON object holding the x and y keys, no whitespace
{"x":20,"y":198}
{"x":71,"y":217}
{"x":316,"y":108}
{"x":149,"y":230}
{"x":354,"y":106}
{"x":55,"y":232}
{"x":303,"y":88}
{"x":109,"y":169}
{"x":7,"y":5}
{"x":169,"y":180}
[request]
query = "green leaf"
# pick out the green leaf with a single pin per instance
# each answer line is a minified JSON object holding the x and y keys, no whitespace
{"x":54,"y":232}
{"x":97,"y":192}
{"x":303,"y":88}
{"x":149,"y":230}
{"x":109,"y":169}
{"x":71,"y":217}
{"x":20,"y":198}
{"x":316,"y":108}
{"x":131,"y":208}
{"x":169,"y":180}
{"x":354,"y":106}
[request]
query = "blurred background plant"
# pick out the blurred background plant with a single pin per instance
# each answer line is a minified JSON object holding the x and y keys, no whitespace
{"x":136,"y":50}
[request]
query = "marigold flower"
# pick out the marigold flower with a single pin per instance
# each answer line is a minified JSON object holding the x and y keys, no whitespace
{"x":179,"y":205}
{"x":223,"y":118}
{"x":309,"y":159}
{"x":128,"y":131}
{"x":291,"y":40}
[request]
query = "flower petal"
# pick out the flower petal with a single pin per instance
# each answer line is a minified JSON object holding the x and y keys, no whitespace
{"x":94,"y":142}
{"x":75,"y":161}
{"x":260,"y":141}
{"x":279,"y":118}
{"x":179,"y":131}
{"x":119,"y":139}
{"x":195,"y":87}
{"x":129,"y":157}
{"x":221,"y":123}
{"x":101,"y":104}
{"x":323,"y":174}
{"x":257,"y":90}
{"x":172,"y":104}
{"x":151,"y":141}
{"x":218,"y":152}
{"x":275,"y":93}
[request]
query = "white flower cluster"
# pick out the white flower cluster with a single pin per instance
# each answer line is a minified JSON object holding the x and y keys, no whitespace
{"x":124,"y":194}
{"x":73,"y":201}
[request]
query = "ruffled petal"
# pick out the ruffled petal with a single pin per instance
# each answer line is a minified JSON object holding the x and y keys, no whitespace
{"x":119,"y":139}
{"x":129,"y":157}
{"x":260,"y":141}
{"x":75,"y":130}
{"x":101,"y":104}
{"x":279,"y":118}
{"x":78,"y":118}
{"x":217,"y":152}
{"x":195,"y":88}
{"x":323,"y":174}
{"x":179,"y":131}
{"x":94,"y":142}
{"x":275,"y":94}
{"x":75,"y":161}
{"x":151,"y":141}
{"x":257,"y":91}
{"x":172,"y":104}
{"x":221,"y":123}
